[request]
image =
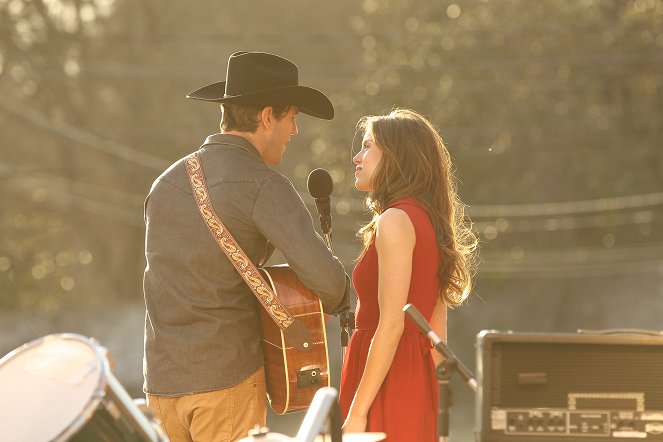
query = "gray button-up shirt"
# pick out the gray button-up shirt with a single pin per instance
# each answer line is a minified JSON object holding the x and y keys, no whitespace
{"x":201,"y":326}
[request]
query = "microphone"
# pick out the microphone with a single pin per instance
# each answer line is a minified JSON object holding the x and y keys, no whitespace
{"x":320,"y":186}
{"x":440,"y":346}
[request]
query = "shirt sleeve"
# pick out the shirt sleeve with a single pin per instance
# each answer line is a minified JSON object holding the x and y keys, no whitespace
{"x":281,"y":216}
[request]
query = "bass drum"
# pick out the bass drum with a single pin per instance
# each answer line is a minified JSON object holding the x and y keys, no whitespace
{"x":60,"y":388}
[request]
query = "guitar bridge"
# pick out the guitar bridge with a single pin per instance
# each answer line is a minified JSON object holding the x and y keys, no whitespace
{"x":308,"y":377}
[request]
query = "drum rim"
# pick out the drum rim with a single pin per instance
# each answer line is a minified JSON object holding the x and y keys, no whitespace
{"x":99,"y":391}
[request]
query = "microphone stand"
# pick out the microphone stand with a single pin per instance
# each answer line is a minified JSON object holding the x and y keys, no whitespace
{"x":443,"y":371}
{"x":323,"y":206}
{"x":346,"y":320}
{"x":347,"y":324}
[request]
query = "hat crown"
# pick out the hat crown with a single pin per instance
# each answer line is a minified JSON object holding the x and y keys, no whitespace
{"x":250,"y":72}
{"x":260,"y":78}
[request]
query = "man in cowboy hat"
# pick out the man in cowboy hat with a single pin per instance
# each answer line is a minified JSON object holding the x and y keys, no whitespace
{"x":203,"y":365}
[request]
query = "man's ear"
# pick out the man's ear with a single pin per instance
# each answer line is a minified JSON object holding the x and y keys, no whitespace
{"x":267,"y":116}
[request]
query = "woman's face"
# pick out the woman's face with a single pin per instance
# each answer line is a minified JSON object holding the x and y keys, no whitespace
{"x":367,"y":161}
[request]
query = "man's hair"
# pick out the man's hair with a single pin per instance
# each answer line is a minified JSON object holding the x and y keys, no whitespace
{"x":244,"y":117}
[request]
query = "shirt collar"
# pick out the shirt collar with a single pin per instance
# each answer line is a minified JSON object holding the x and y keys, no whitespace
{"x":232,"y":140}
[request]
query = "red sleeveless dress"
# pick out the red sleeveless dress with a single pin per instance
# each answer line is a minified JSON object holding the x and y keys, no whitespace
{"x":405,"y":407}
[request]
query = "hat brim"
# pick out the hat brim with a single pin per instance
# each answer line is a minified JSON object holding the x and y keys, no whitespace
{"x":309,"y":101}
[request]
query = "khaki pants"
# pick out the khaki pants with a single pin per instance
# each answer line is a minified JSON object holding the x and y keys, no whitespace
{"x":216,"y":416}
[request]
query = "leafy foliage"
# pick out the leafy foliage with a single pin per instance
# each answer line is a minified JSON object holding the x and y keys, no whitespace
{"x":552,"y":111}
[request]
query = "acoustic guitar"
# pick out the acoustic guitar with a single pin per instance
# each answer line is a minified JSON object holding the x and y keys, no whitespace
{"x":293,"y":376}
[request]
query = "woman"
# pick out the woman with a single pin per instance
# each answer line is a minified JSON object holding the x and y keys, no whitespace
{"x":418,"y":249}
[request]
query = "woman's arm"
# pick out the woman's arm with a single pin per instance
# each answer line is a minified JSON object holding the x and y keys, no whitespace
{"x":394,"y":241}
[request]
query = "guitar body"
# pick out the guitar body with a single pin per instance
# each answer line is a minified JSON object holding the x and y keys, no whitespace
{"x":293,"y":376}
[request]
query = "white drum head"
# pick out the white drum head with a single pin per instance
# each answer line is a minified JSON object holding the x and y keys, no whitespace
{"x":50,"y":387}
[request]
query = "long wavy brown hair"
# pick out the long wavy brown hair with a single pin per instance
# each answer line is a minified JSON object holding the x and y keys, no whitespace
{"x":415,"y":163}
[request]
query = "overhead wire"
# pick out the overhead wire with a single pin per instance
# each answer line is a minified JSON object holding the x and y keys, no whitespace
{"x":83,"y":137}
{"x":494,"y":211}
{"x":84,"y":199}
{"x":567,"y":207}
{"x":575,"y":262}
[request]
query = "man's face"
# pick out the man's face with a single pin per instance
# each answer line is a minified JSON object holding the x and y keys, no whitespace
{"x":279,"y":135}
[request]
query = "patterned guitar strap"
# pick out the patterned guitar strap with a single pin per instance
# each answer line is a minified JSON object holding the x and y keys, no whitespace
{"x":295,"y":332}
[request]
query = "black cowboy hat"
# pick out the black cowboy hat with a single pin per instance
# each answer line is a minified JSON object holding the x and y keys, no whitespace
{"x":262,"y":78}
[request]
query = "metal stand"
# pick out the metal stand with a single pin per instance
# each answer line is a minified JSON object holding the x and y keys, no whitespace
{"x":346,"y":319}
{"x":444,"y":370}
